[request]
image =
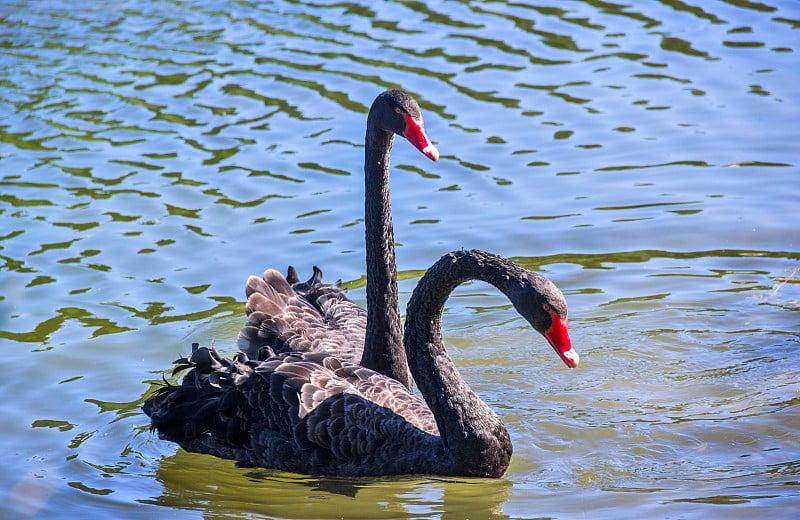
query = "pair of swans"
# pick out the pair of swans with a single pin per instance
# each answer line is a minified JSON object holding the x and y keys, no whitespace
{"x":323,"y":387}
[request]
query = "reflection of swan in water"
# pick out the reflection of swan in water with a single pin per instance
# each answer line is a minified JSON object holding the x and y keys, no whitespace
{"x":190,"y":482}
{"x":314,"y":413}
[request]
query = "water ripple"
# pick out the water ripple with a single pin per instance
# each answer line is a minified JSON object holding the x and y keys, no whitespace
{"x":155,"y":154}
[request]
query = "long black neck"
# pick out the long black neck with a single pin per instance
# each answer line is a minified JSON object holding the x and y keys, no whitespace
{"x":383,"y":345}
{"x":474,"y":435}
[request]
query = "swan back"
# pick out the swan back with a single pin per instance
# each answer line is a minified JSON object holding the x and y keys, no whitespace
{"x":285,"y":315}
{"x":305,"y":412}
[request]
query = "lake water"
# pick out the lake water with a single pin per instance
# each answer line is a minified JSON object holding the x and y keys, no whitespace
{"x":644,"y":157}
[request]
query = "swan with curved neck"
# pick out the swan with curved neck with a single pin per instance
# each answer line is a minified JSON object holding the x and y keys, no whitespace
{"x":285,"y":315}
{"x":314,"y":413}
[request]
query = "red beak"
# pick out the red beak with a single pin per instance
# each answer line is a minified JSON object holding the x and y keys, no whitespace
{"x":415,"y":133}
{"x":558,"y":337}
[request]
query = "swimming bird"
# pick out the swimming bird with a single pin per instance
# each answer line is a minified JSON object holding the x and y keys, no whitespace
{"x":316,"y":413}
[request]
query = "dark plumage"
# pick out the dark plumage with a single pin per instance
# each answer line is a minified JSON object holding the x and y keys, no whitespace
{"x":300,"y":317}
{"x":311,"y":412}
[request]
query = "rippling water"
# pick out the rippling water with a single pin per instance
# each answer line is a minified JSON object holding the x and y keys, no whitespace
{"x":644,"y":157}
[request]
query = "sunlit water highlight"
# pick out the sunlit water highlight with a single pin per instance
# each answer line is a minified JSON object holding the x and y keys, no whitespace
{"x":644,"y":157}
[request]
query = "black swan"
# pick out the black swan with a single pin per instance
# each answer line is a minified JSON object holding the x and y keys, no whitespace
{"x":286,"y":315}
{"x":310,"y":412}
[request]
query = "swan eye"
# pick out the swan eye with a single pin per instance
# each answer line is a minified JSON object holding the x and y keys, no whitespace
{"x":546,"y":307}
{"x":398,"y":110}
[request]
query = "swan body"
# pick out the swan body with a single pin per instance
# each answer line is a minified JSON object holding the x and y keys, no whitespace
{"x":315,"y":413}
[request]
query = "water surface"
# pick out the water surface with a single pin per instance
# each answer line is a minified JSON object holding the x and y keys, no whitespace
{"x":644,"y":157}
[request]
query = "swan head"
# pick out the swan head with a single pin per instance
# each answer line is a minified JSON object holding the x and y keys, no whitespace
{"x":396,"y":111}
{"x":545,"y":308}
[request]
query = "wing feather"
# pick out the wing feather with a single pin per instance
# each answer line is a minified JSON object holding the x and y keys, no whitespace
{"x":300,"y":317}
{"x":308,"y":412}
